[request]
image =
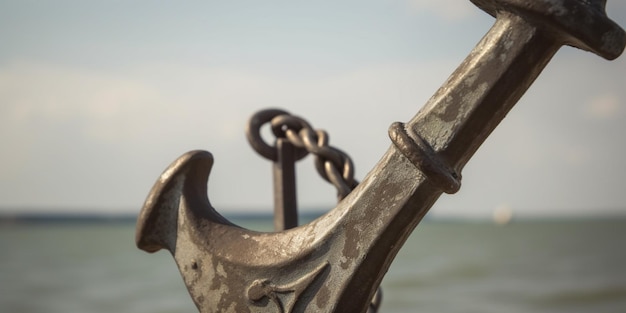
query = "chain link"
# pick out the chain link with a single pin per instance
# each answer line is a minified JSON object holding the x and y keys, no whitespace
{"x":334,"y":165}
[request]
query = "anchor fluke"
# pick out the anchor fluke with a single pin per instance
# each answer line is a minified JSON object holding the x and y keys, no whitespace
{"x":186,"y":177}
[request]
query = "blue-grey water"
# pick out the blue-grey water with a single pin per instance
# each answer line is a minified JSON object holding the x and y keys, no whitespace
{"x":540,"y":266}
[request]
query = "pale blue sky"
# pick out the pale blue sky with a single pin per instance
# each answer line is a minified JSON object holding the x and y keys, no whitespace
{"x":98,"y":97}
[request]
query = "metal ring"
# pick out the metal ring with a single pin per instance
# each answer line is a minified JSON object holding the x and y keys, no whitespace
{"x":421,"y":154}
{"x":253,"y":133}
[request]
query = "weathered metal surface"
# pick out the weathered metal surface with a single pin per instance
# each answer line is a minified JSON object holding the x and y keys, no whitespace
{"x":336,"y":262}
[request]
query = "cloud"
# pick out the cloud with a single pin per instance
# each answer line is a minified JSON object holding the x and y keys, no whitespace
{"x":62,"y":129}
{"x":451,"y":10}
{"x":107,"y":134}
{"x":605,"y":106}
{"x":132,"y":123}
{"x":40,"y":94}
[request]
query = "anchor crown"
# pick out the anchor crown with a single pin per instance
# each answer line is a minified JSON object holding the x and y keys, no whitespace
{"x":585,"y":23}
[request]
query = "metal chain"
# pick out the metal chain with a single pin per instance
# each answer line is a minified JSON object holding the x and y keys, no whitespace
{"x":334,"y":165}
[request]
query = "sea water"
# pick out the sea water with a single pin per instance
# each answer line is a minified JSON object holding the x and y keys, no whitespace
{"x":528,"y":266}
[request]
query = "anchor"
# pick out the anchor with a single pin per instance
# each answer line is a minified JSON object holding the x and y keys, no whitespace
{"x":336,"y":262}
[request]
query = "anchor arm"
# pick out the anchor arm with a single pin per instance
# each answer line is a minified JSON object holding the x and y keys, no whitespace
{"x":223,"y":264}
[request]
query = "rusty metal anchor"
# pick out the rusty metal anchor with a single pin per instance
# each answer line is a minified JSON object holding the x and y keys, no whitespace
{"x":336,"y":262}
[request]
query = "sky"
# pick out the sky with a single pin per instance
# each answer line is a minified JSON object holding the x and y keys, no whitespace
{"x":97,"y":98}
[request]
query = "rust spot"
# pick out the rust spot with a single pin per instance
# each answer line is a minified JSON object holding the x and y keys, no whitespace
{"x":322,"y":297}
{"x":350,"y":247}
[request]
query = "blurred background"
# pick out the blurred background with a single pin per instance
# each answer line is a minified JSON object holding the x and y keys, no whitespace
{"x":98,"y":97}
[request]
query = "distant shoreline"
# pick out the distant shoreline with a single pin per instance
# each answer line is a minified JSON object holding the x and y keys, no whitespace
{"x":51,"y":218}
{"x":127,"y":218}
{"x":60,"y":217}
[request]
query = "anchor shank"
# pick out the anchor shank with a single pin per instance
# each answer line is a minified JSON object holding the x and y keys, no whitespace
{"x":447,"y":131}
{"x":482,"y":90}
{"x":285,"y":203}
